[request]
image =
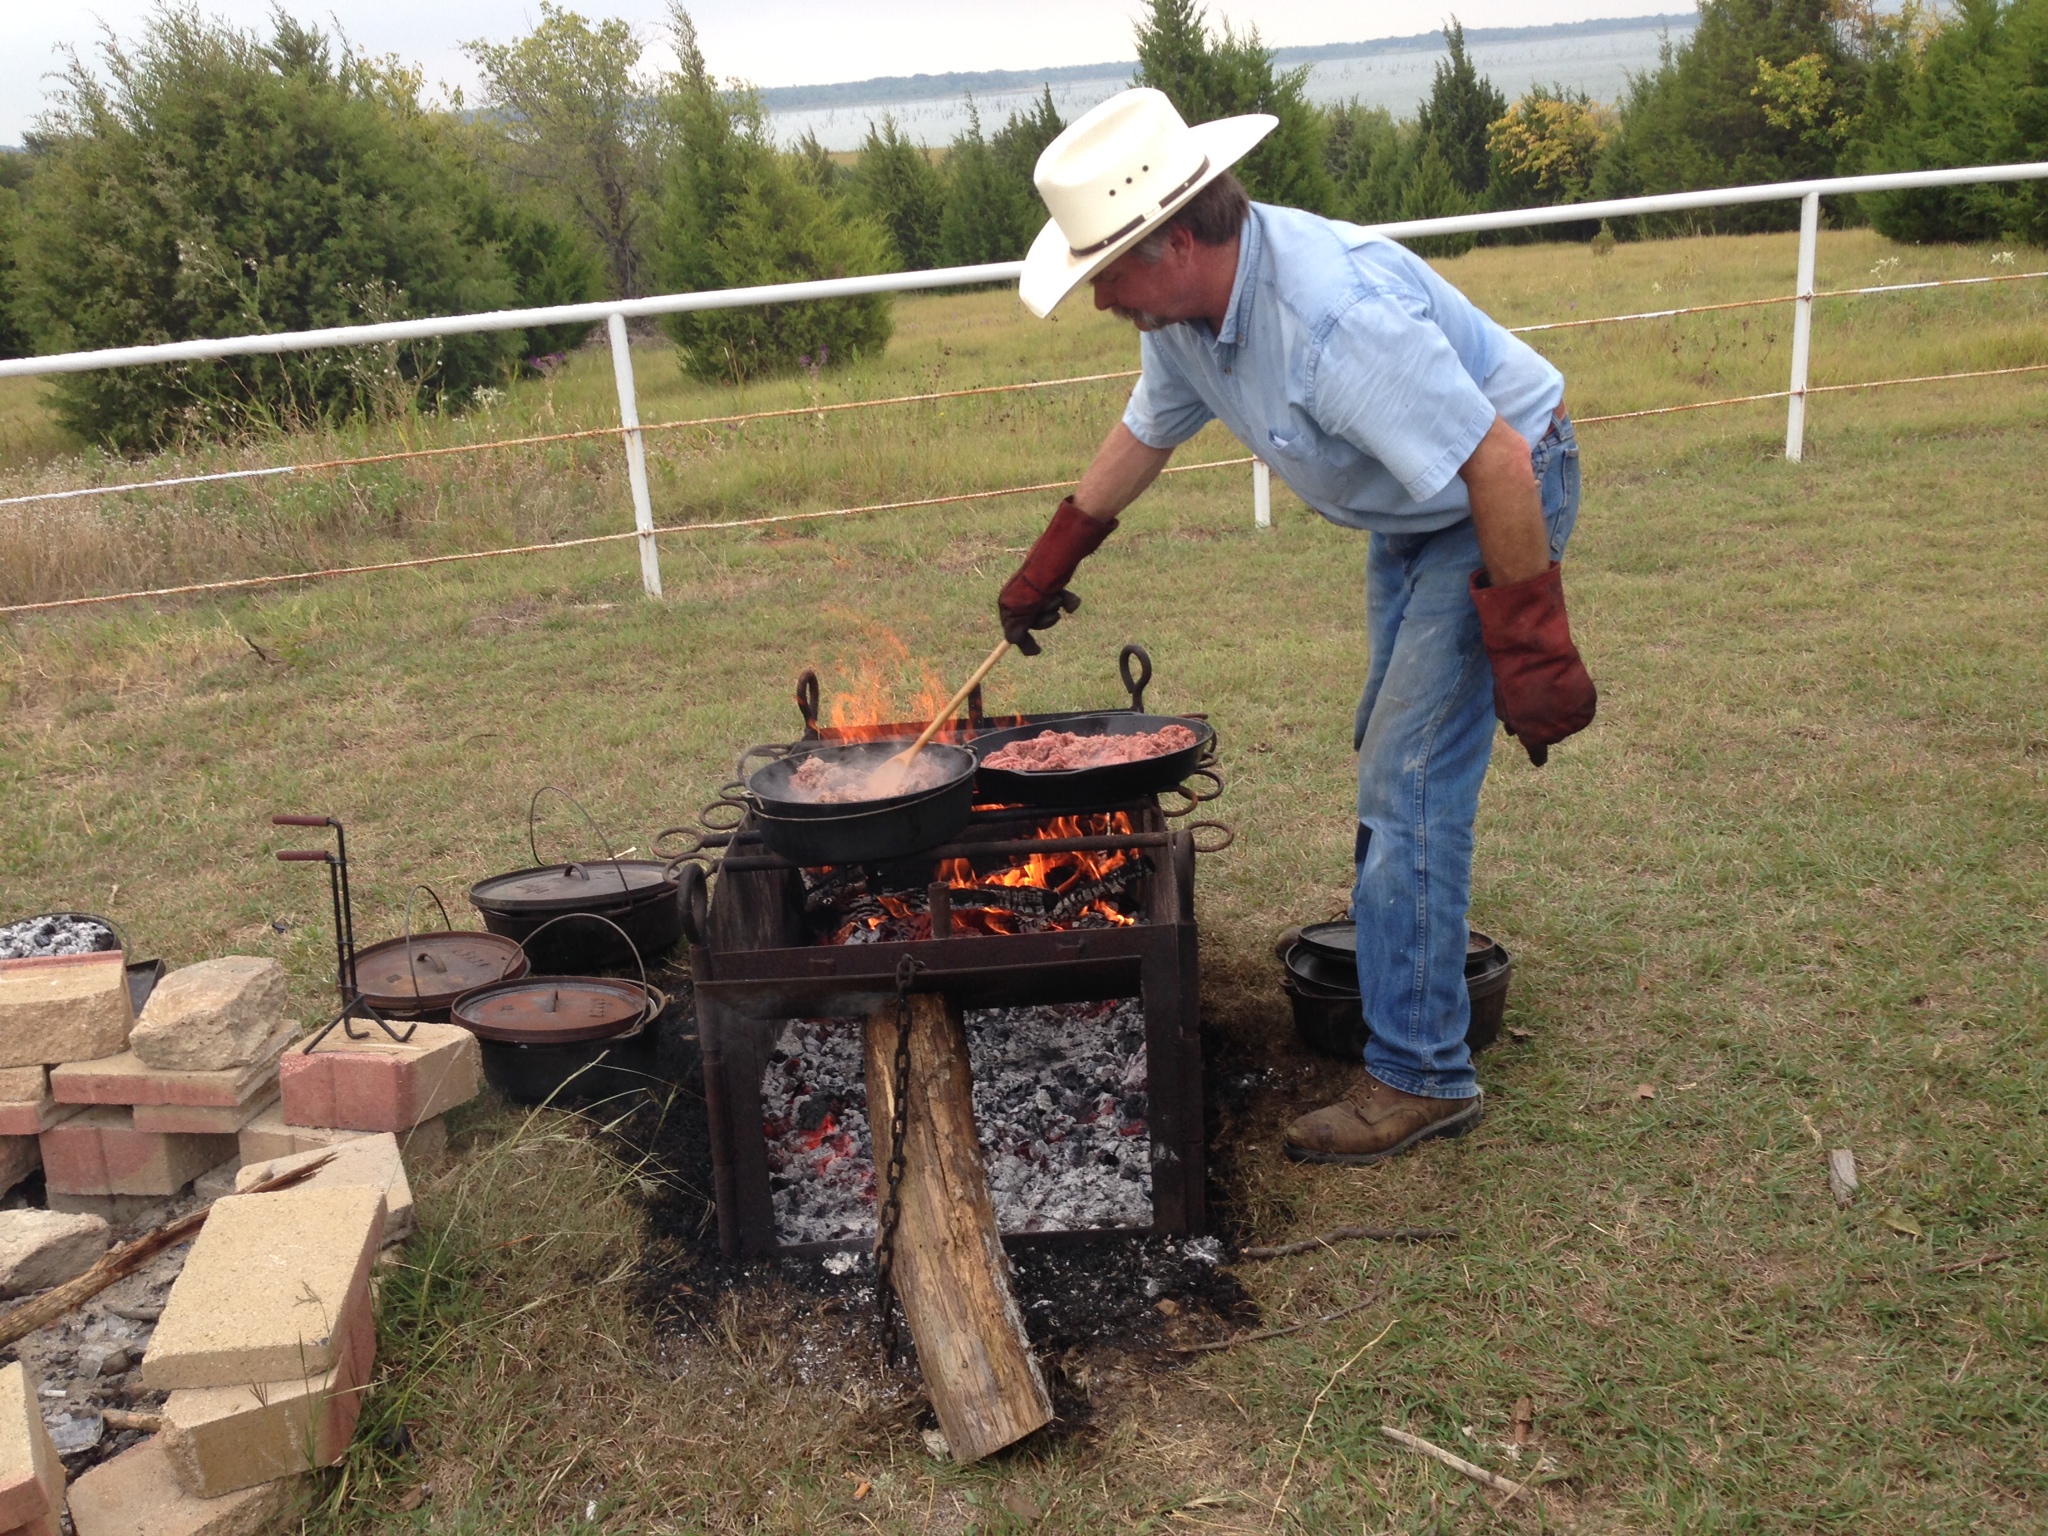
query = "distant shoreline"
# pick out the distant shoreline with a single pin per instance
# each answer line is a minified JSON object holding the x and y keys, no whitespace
{"x":884,"y":89}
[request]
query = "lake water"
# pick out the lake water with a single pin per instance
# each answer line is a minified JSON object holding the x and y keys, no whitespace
{"x":1398,"y":79}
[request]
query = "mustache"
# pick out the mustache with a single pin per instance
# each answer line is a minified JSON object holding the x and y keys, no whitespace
{"x":1144,"y":320}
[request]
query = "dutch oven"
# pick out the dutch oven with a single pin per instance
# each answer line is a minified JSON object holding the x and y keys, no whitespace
{"x":1321,"y":982}
{"x":813,"y":832}
{"x":638,"y":896}
{"x":421,"y":975}
{"x":562,"y":1039}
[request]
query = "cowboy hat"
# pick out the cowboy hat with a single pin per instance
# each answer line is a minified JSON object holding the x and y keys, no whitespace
{"x":1115,"y":174}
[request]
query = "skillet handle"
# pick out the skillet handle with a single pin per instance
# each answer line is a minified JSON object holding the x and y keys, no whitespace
{"x":1135,"y":687}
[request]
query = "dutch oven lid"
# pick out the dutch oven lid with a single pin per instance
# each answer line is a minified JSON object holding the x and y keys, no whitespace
{"x":596,"y":886}
{"x":1339,"y":940}
{"x":445,"y":963}
{"x":552,"y":1010}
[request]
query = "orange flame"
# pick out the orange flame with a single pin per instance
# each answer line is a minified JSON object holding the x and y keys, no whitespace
{"x":879,"y":676}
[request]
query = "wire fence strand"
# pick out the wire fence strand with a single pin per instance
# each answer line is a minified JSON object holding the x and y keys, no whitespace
{"x":713,"y":526}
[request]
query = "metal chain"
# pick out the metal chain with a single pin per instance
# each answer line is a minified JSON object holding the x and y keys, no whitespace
{"x":899,"y":1137}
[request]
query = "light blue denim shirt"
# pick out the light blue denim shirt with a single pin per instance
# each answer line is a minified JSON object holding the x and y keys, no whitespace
{"x":1363,"y":378}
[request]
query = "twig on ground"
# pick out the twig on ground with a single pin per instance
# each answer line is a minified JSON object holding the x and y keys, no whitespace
{"x":118,"y":1263}
{"x":1978,"y":1262}
{"x":1270,"y":1333}
{"x":121,"y":1418}
{"x":1309,"y":1423}
{"x":1457,"y":1464}
{"x":1349,"y":1234}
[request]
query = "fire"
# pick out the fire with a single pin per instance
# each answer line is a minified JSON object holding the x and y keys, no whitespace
{"x":1060,"y":871}
{"x":860,"y":711}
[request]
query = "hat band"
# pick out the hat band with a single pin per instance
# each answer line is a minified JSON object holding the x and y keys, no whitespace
{"x":1139,"y":222}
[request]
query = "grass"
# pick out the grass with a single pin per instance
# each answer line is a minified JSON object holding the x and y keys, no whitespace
{"x":1793,"y":882}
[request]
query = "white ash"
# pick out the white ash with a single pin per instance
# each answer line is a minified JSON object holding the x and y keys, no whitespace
{"x":55,"y":933}
{"x":1059,"y":1101}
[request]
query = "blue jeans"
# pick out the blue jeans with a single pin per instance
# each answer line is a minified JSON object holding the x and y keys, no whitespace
{"x":1424,"y":734}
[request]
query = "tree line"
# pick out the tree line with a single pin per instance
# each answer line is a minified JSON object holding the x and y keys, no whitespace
{"x":205,"y":180}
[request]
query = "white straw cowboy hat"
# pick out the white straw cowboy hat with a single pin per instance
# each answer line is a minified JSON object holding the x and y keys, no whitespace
{"x":1116,"y":173}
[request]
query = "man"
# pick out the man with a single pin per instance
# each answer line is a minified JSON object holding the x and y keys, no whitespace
{"x":1390,"y":404}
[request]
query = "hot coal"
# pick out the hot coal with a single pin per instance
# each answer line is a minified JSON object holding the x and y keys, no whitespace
{"x":1059,"y":1101}
{"x":846,"y":908}
{"x":55,"y":933}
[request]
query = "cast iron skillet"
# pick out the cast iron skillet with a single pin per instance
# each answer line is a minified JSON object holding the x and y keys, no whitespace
{"x":813,"y":832}
{"x":1091,"y":786}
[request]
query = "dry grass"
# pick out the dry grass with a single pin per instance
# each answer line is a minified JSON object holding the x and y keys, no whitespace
{"x":1793,"y":880}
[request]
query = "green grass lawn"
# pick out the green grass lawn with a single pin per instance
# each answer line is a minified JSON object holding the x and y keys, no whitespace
{"x":1792,"y":883}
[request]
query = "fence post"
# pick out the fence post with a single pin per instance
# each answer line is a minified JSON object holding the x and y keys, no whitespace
{"x":636,"y":452}
{"x":1802,"y":326}
{"x":1262,"y":494}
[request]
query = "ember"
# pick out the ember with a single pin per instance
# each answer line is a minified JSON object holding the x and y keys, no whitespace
{"x":1060,"y":751}
{"x":1060,"y":1104}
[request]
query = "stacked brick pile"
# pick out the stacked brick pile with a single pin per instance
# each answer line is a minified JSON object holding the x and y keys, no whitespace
{"x":31,"y":1476}
{"x":350,"y":1088}
{"x":265,"y":1347}
{"x":144,"y":1106}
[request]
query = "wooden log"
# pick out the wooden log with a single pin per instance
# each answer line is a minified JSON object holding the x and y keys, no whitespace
{"x":950,"y":1272}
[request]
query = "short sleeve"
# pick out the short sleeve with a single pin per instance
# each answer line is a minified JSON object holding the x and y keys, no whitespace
{"x":1165,"y":411}
{"x":1387,"y":380}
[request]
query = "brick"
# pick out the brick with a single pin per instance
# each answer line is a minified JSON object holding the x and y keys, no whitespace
{"x":223,"y":1438}
{"x":100,"y":1152}
{"x":267,"y":1137}
{"x":380,"y":1085}
{"x":126,"y":1079}
{"x":63,"y":1008}
{"x":24,"y":1085}
{"x":39,"y":1249}
{"x":216,"y":1014}
{"x":20,"y":1156}
{"x":31,"y":1476}
{"x":372,"y":1161}
{"x":270,"y":1290}
{"x":33,"y":1117}
{"x":204,"y":1119}
{"x":137,"y":1494}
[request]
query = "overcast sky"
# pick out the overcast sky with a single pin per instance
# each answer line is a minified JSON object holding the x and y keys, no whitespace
{"x":770,"y":42}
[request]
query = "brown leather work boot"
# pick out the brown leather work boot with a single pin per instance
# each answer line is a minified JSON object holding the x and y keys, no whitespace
{"x":1374,"y":1122}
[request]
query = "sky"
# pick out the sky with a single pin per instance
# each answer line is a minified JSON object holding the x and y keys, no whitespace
{"x":769,"y":42}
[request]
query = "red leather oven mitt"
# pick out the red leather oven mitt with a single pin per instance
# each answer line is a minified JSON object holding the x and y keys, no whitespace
{"x":1037,"y":595}
{"x":1541,"y":689}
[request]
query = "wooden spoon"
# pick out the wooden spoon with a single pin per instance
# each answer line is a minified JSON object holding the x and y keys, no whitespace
{"x":888,"y":778}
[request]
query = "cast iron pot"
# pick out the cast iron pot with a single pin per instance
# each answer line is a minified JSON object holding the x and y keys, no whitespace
{"x":583,"y":1073}
{"x":812,"y":832}
{"x":419,"y":976}
{"x":562,"y":1039}
{"x":1331,"y":1023}
{"x":638,"y":896}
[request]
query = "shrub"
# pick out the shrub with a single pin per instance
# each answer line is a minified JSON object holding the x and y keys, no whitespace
{"x":14,"y":339}
{"x":1455,"y":117}
{"x":215,"y":185}
{"x":546,"y":262}
{"x":1978,"y":97}
{"x":896,"y":185}
{"x":736,"y":212}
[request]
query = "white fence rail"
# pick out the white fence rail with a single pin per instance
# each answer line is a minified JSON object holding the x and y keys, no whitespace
{"x":613,"y":313}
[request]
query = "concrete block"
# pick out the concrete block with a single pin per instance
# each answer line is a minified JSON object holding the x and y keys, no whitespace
{"x":99,"y":1152}
{"x":63,"y":1008}
{"x":20,"y":1156}
{"x":267,"y":1137}
{"x":372,"y":1161}
{"x":24,"y":1085}
{"x":31,"y":1476}
{"x":201,"y":1119}
{"x":223,"y":1438}
{"x":380,"y":1085}
{"x":49,"y":1525}
{"x":39,"y":1249}
{"x":270,"y":1289}
{"x":33,"y":1117}
{"x":137,"y":1494}
{"x":127,"y":1079}
{"x":210,"y":1016}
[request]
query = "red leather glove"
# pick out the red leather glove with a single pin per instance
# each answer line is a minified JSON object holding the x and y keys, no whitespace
{"x":1037,"y":595}
{"x":1540,"y":687}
